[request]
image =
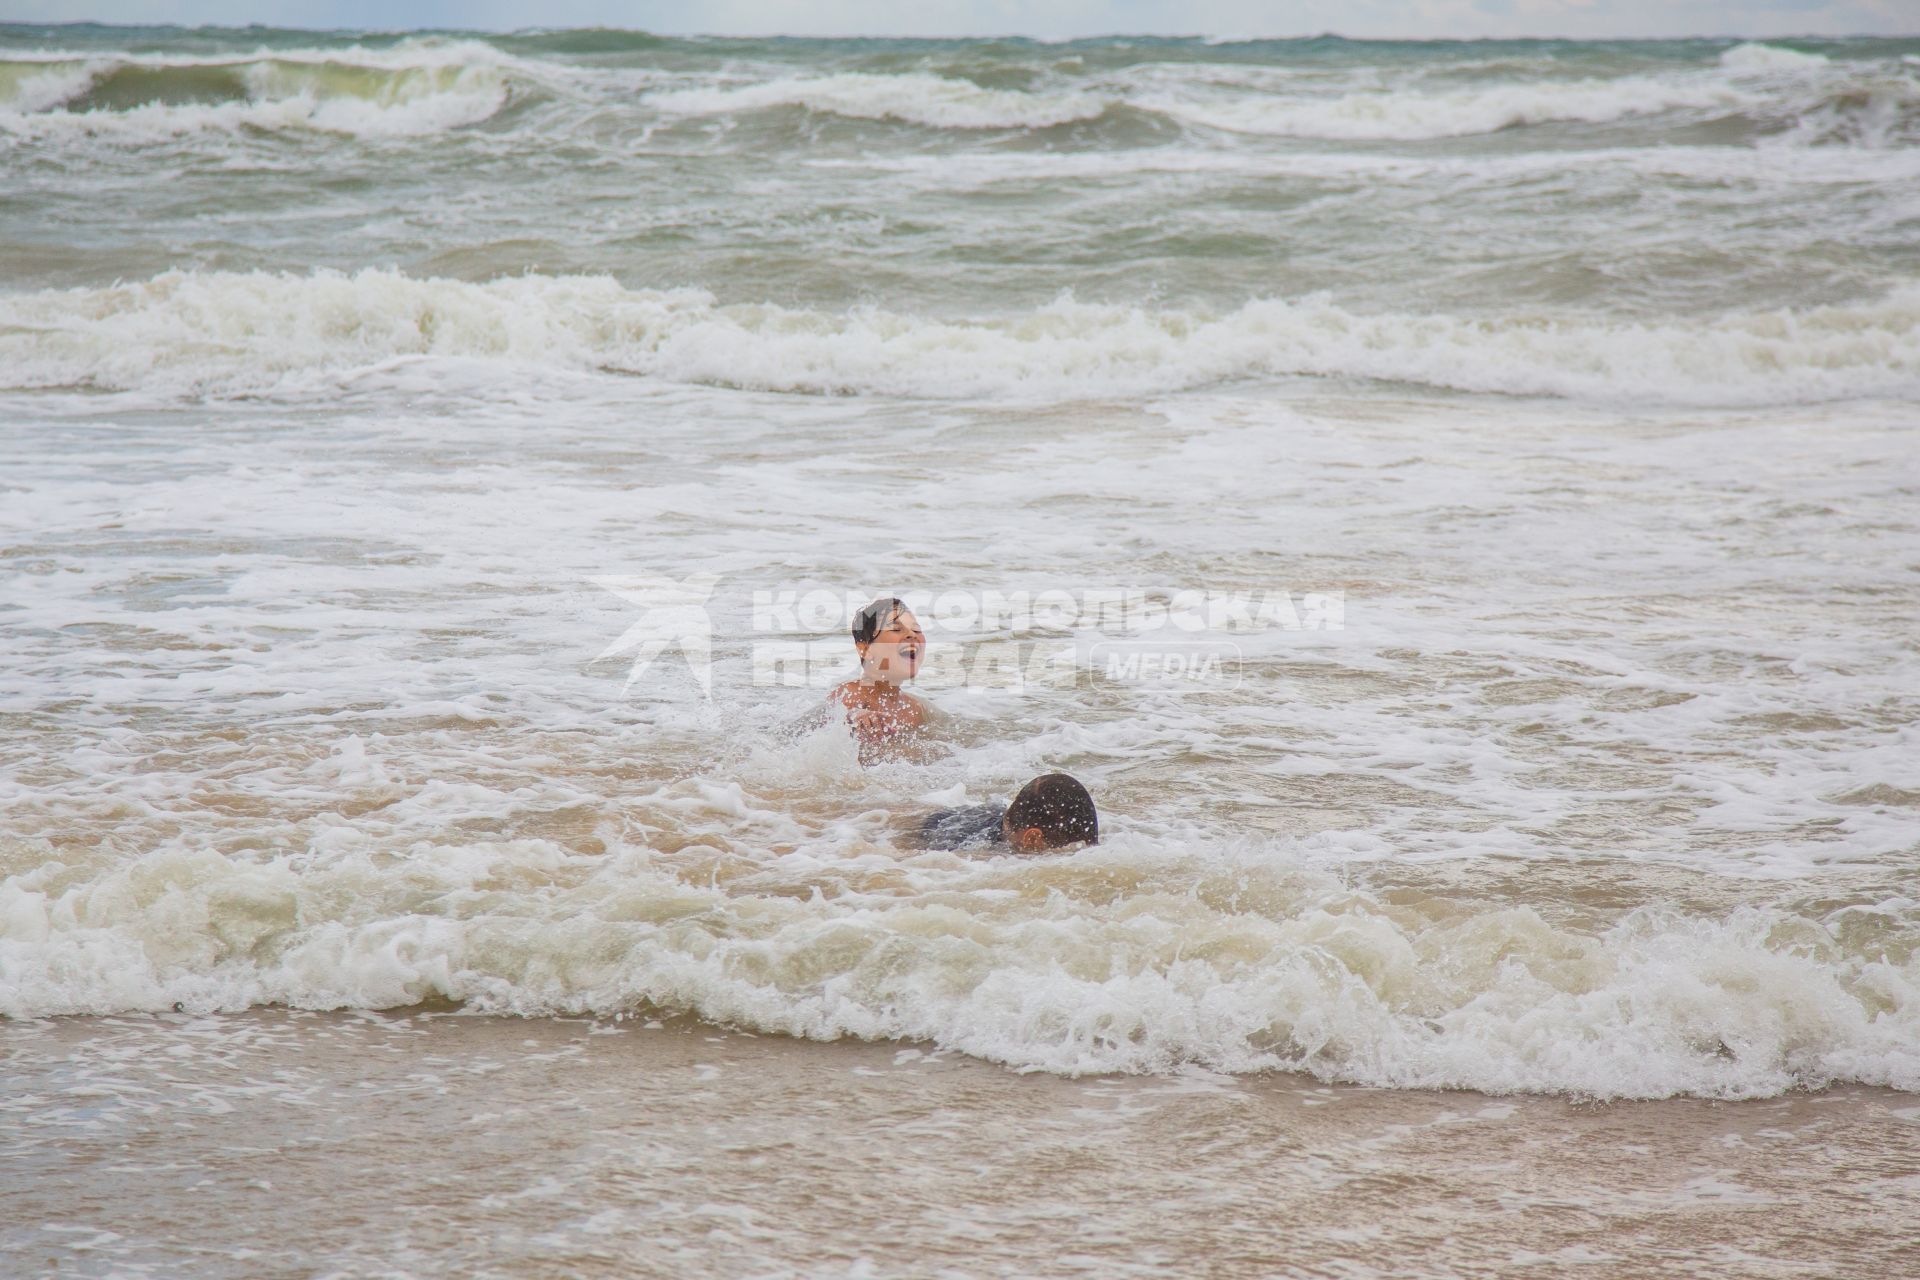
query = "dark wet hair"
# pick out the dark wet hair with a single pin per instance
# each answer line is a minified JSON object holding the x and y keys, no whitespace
{"x":1060,"y":807}
{"x":868,"y":622}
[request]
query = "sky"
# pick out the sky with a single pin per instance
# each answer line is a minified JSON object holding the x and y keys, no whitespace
{"x":1047,"y":19}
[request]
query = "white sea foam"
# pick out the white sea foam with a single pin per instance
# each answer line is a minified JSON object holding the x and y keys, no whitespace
{"x":1266,"y":101}
{"x":1231,"y":961}
{"x":1410,"y":115}
{"x":1201,"y":97}
{"x":1769,"y":59}
{"x":30,"y":86}
{"x":432,"y":85}
{"x":938,"y":101}
{"x":220,"y":333}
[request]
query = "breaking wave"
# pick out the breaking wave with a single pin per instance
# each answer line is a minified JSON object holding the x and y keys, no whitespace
{"x":226,"y":333}
{"x":415,"y":88}
{"x":1411,"y":116}
{"x":938,"y":101}
{"x":1767,"y":59}
{"x":1117,"y":959}
{"x":431,"y":85}
{"x":1397,"y":115}
{"x":1771,"y":89}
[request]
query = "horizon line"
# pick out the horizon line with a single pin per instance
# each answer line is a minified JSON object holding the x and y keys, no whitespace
{"x":1003,"y":35}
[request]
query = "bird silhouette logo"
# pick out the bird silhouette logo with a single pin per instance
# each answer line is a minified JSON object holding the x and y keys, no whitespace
{"x":674,"y":614}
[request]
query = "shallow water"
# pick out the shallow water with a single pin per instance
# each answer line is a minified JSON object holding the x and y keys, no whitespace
{"x":264,"y":1145}
{"x":1563,"y":394}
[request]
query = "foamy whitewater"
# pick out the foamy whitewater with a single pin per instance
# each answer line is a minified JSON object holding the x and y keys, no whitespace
{"x":338,"y":371}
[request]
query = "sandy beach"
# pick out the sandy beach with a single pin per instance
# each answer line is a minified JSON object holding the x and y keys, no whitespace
{"x":275,"y":1144}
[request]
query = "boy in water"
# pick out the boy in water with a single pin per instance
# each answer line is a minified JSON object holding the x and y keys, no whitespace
{"x":890,"y":644}
{"x":1052,"y":812}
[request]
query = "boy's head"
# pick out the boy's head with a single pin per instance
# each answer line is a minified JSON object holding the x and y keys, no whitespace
{"x":1051,"y":812}
{"x":889,"y":641}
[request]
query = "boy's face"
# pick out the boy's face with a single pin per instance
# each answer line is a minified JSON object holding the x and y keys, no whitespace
{"x":894,"y":654}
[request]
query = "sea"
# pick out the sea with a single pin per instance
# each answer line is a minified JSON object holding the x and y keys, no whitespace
{"x":1456,"y":506}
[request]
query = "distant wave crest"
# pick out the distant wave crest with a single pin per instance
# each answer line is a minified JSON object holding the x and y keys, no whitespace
{"x":939,"y":101}
{"x":230,"y":333}
{"x":1409,"y":116}
{"x":1774,"y":90}
{"x":430,"y":85}
{"x":415,"y":88}
{"x":1770,"y":58}
{"x":1395,"y":115}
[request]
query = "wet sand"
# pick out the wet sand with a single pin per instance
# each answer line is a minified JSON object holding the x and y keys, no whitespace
{"x":284,"y":1144}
